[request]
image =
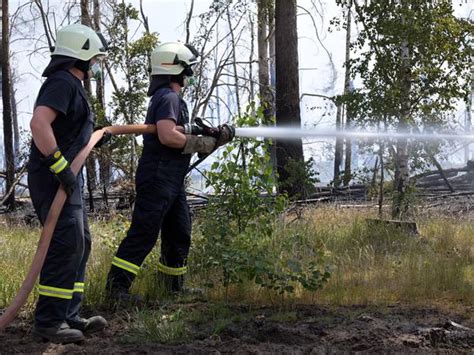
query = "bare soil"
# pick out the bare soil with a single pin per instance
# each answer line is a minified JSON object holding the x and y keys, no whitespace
{"x":300,"y":329}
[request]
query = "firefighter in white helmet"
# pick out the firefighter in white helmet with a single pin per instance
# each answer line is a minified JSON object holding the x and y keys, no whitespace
{"x":160,"y":205}
{"x":61,"y":125}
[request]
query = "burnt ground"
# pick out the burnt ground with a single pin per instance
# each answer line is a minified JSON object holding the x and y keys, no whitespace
{"x":300,"y":329}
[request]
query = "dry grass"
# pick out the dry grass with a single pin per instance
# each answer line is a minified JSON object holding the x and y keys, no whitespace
{"x":385,"y":265}
{"x":369,"y":265}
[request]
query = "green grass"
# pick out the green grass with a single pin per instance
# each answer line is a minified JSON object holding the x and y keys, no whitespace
{"x":17,"y":249}
{"x":369,"y":265}
{"x":162,"y":326}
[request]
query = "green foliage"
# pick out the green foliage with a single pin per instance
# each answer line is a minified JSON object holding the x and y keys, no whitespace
{"x":413,"y":59}
{"x":129,"y":57}
{"x":301,"y":175}
{"x":240,"y":223}
{"x":439,"y":61}
{"x":406,"y":202}
{"x":116,"y":230}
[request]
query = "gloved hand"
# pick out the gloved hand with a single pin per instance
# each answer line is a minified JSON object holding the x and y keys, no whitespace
{"x":199,"y":144}
{"x":105,"y":138}
{"x":68,"y":180}
{"x":203,"y":130}
{"x":59,"y":166}
{"x":226,"y":134}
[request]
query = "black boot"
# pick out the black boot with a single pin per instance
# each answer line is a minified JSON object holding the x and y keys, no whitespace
{"x":89,"y":325}
{"x":120,"y":298}
{"x":61,"y":333}
{"x":174,"y":285}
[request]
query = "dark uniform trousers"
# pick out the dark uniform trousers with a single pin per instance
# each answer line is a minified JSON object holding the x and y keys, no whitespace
{"x":61,"y":283}
{"x":160,"y":206}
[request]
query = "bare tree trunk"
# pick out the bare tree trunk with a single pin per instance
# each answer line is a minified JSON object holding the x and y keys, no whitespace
{"x":263,"y":62}
{"x":90,"y":162}
{"x":338,"y":148}
{"x":265,"y":91}
{"x":47,"y":28}
{"x":272,"y":47}
{"x":381,"y":189}
{"x":7,"y":107}
{"x":216,"y":64}
{"x":347,"y":83}
{"x":287,"y":95}
{"x":251,"y":56}
{"x":16,"y":128}
{"x":236,"y":82}
{"x":129,"y":118}
{"x":145,"y":24}
{"x":188,"y":21}
{"x":234,"y":64}
{"x":400,"y":203}
{"x":272,"y":56}
{"x":104,"y":155}
{"x":468,"y":123}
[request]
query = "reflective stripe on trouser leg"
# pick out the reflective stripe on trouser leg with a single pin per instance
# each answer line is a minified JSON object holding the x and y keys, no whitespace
{"x":57,"y":292}
{"x":125,"y":265}
{"x":173,"y":271}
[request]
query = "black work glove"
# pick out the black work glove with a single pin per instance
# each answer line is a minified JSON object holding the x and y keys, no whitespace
{"x":68,"y":180}
{"x":59,"y":166}
{"x":105,"y":138}
{"x":226,"y":134}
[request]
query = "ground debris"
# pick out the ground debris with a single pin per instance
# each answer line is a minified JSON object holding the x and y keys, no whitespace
{"x":304,"y":329}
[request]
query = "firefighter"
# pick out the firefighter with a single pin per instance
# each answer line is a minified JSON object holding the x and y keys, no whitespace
{"x":61,"y":125}
{"x":160,"y":204}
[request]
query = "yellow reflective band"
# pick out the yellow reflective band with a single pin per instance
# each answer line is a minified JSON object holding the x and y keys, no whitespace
{"x":59,"y":166}
{"x":127,"y":266}
{"x":55,"y":292}
{"x":57,"y":154}
{"x":79,"y":287}
{"x":174,"y":271}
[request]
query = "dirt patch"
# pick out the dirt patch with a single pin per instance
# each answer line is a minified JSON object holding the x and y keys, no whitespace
{"x":300,"y":329}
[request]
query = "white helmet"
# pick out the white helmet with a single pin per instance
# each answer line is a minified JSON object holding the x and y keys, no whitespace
{"x":79,"y":41}
{"x":172,"y":58}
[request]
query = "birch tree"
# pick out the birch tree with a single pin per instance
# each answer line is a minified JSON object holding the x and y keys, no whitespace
{"x":7,"y":109}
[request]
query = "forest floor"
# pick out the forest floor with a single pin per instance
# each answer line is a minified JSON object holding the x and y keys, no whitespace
{"x":299,"y":329}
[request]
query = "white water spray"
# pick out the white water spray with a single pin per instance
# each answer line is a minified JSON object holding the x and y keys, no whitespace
{"x":297,"y":133}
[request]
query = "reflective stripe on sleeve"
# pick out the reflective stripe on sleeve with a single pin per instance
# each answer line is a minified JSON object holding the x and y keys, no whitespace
{"x":79,"y":287}
{"x":59,"y":166}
